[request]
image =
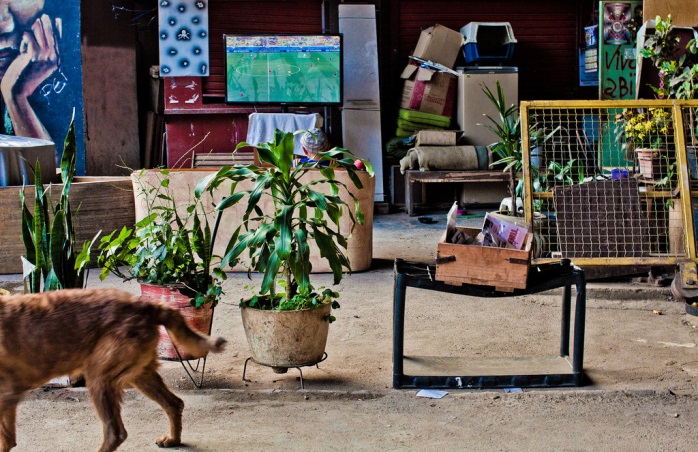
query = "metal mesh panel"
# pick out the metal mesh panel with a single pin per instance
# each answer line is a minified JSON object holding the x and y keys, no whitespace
{"x":689,"y":116}
{"x":602,"y":184}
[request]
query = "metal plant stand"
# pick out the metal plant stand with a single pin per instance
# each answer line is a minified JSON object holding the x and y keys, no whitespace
{"x":283,"y":370}
{"x":186,"y":364}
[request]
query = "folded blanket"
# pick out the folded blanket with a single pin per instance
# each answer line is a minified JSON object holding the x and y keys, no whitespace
{"x":427,"y":158}
{"x":405,"y":124}
{"x":403,"y":133}
{"x":425,"y":118}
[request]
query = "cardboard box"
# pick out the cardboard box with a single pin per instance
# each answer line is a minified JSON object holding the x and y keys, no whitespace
{"x":428,"y":90}
{"x":437,"y":137}
{"x":504,"y":231}
{"x":439,"y":44}
{"x":683,"y":12}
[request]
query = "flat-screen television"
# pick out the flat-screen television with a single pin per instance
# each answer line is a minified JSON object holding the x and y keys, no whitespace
{"x":283,"y":69}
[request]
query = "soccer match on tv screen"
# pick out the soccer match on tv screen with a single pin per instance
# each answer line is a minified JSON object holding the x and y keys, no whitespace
{"x":301,"y":69}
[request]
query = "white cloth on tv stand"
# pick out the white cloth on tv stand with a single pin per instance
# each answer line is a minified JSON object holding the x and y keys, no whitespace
{"x":261,"y":126}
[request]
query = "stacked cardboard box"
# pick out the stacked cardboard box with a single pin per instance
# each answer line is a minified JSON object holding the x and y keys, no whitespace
{"x":430,"y":82}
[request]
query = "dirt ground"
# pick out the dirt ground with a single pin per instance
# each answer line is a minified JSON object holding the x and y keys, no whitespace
{"x":640,"y":361}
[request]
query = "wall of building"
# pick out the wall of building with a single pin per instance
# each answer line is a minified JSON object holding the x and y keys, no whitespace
{"x":109,"y":89}
{"x":548,"y":37}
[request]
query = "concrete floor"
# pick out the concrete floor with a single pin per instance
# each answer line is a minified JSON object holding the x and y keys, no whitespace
{"x":641,"y":364}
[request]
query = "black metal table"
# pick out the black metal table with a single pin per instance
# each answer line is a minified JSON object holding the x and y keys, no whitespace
{"x":457,"y":372}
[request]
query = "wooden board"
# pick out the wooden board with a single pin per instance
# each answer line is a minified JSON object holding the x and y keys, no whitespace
{"x":683,"y":12}
{"x":220,"y":159}
{"x":601,"y":219}
{"x":105,"y":203}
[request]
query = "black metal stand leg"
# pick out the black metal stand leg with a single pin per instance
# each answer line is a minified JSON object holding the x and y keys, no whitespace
{"x":398,"y":328}
{"x":301,"y":372}
{"x":202,"y":361}
{"x":565,"y":327}
{"x":579,"y":326}
{"x":244,"y":369}
{"x":194,"y":370}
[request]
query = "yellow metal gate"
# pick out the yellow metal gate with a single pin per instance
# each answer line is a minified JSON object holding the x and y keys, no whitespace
{"x":608,"y":185}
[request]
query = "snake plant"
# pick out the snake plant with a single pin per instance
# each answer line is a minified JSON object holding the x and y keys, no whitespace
{"x":52,"y":256}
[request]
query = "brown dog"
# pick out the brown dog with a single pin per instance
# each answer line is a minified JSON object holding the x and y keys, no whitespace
{"x":109,"y":336}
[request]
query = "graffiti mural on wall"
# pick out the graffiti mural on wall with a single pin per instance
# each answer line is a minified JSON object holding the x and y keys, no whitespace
{"x":41,"y":71}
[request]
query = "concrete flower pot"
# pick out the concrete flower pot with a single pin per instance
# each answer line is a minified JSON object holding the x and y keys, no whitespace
{"x":283,"y":339}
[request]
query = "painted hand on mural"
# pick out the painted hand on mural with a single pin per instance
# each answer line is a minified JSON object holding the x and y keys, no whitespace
{"x":36,"y":59}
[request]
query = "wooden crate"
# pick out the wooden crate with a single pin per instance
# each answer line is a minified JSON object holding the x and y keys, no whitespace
{"x":505,"y":269}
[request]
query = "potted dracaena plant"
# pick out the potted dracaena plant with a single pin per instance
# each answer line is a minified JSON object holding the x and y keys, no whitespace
{"x":170,"y":252}
{"x":289,"y":208}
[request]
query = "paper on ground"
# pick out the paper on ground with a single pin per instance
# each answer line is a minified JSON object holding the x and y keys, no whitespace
{"x":431,"y":393}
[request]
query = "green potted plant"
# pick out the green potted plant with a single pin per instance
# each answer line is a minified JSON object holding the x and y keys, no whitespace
{"x":678,"y":74}
{"x":507,"y":127}
{"x":678,"y":68}
{"x":169,"y":252}
{"x":289,"y":208}
{"x":52,"y":259}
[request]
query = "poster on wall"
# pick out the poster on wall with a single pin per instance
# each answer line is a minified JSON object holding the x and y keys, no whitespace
{"x":183,"y":30}
{"x":41,"y":73}
{"x":616,"y":53}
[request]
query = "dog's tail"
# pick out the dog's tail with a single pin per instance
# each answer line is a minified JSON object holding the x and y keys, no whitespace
{"x":196,"y":343}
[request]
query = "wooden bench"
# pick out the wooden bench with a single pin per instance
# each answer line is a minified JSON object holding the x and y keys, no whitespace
{"x":421,"y":178}
{"x":219,"y":159}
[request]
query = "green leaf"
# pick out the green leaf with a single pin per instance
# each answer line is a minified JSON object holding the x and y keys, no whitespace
{"x":69,"y":156}
{"x":57,"y":243}
{"x":271,"y":271}
{"x":27,"y":229}
{"x":283,"y":224}
{"x":329,"y":251}
{"x":318,"y":200}
{"x":230,"y":201}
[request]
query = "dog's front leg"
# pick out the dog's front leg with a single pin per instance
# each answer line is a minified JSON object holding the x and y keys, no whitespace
{"x":8,"y":413}
{"x":151,"y":385}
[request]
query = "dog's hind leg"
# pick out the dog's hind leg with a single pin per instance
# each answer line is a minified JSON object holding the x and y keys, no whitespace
{"x":151,"y":385}
{"x":8,"y":413}
{"x":107,"y":402}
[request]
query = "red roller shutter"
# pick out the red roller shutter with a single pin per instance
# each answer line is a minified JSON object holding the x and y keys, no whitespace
{"x":547,"y":35}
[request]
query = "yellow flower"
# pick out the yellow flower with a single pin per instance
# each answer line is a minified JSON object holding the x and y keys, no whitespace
{"x":645,"y":128}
